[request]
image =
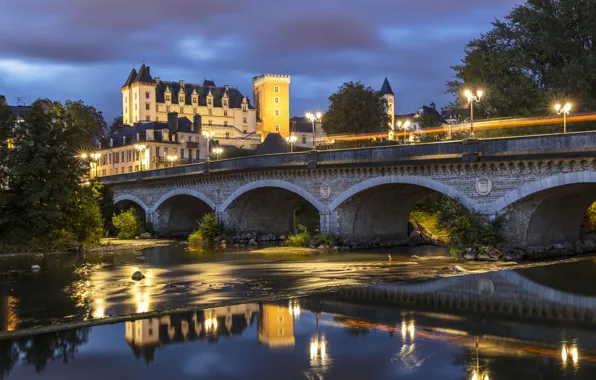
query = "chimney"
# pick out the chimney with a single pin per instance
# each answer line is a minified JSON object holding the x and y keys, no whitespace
{"x":198,"y":124}
{"x":158,"y":80}
{"x":111,"y":142}
{"x":226,"y":87}
{"x":433,"y":106}
{"x":173,"y":122}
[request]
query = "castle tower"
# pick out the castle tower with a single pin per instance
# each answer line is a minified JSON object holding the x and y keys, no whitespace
{"x":138,"y":96}
{"x":390,"y":96}
{"x":272,"y":100}
{"x":275,"y":326}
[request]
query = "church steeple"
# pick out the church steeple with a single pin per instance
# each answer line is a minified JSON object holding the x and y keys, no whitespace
{"x":386,"y":89}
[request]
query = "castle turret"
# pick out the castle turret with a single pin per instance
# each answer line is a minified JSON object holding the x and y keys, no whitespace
{"x":138,"y":96}
{"x":390,"y":96}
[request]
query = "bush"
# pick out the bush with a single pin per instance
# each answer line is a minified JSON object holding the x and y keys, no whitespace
{"x":323,"y":238}
{"x":590,"y":217}
{"x":128,"y":223}
{"x":430,"y":221}
{"x":209,"y":230}
{"x":195,"y":239}
{"x":465,"y":228}
{"x":298,"y":239}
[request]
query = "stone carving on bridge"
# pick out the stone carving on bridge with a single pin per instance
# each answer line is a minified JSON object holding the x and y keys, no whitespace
{"x":325,"y":191}
{"x":484,"y":186}
{"x":218,"y":194}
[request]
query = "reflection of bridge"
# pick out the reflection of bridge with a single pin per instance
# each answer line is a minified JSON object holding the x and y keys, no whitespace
{"x":494,"y":293}
{"x":275,"y":327}
{"x":365,"y":193}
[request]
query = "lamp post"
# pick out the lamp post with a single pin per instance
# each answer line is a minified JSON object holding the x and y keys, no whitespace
{"x":172,"y":158}
{"x":565,"y":111}
{"x":140,"y":148}
{"x":208,"y":136}
{"x":405,"y":125}
{"x":95,"y":159}
{"x":473,"y":97}
{"x":314,"y":118}
{"x":291,"y":140}
{"x":218,"y":151}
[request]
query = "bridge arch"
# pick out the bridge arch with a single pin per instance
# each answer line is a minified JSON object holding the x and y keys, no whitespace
{"x":268,"y":207}
{"x":380,"y":207}
{"x":177,"y":212}
{"x":131,"y":198}
{"x":547,"y":211}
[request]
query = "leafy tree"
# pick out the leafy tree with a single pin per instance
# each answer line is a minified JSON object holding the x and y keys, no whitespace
{"x":84,"y":214}
{"x":7,"y":121}
{"x":128,"y":223}
{"x":355,"y":108}
{"x":209,"y":230}
{"x":117,"y":123}
{"x":540,"y":54}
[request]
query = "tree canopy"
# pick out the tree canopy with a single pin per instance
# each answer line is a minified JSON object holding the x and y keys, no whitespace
{"x":540,"y":54}
{"x":355,"y":108}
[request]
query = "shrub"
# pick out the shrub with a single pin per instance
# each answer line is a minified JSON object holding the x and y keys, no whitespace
{"x":298,"y":239}
{"x":128,"y":224}
{"x":590,"y":217}
{"x":323,"y":238}
{"x":195,"y":239}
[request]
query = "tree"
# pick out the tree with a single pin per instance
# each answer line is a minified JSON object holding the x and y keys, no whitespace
{"x":117,"y":123}
{"x":84,"y":215}
{"x":540,"y":54}
{"x":354,"y":109}
{"x":7,"y":122}
{"x":129,"y":224}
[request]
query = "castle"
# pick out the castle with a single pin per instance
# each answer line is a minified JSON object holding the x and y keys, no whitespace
{"x":223,"y":110}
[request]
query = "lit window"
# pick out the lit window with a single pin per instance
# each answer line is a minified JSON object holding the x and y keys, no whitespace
{"x":210,"y":122}
{"x":194,"y":100}
{"x":276,"y":112}
{"x":276,"y":100}
{"x":276,"y":88}
{"x":244,"y":120}
{"x":225,"y":112}
{"x":244,"y":131}
{"x":225,"y":103}
{"x":225,"y":123}
{"x":277,"y":128}
{"x":227,"y":135}
{"x":168,"y":98}
{"x":181,"y":100}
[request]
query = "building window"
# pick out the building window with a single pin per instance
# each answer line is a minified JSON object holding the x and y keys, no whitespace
{"x":147,"y":106}
{"x":276,"y":112}
{"x":125,"y":110}
{"x":227,"y":135}
{"x":103,"y":172}
{"x":110,"y":159}
{"x":122,"y":154}
{"x":194,"y":100}
{"x":280,"y":332}
{"x":225,"y":123}
{"x":147,"y":95}
{"x":135,"y":106}
{"x":130,"y":169}
{"x":210,"y":122}
{"x":210,"y":111}
{"x":244,"y":120}
{"x":225,"y":103}
{"x":209,"y":101}
{"x":182,"y":153}
{"x":147,"y":118}
{"x":281,"y":319}
{"x":135,"y":96}
{"x":126,"y":99}
{"x":181,"y":100}
{"x":136,"y":168}
{"x":156,"y":151}
{"x":244,"y":131}
{"x":168,"y":98}
{"x":168,"y":109}
{"x":197,"y":154}
{"x":122,"y":170}
{"x":277,"y":128}
{"x":225,"y":112}
{"x":276,"y":88}
{"x":244,"y":108}
{"x":303,"y":139}
{"x":276,"y":100}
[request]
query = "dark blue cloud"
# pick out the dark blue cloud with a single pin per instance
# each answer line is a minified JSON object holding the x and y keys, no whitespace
{"x":85,"y":49}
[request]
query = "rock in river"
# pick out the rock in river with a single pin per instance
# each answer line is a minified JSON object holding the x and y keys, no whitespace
{"x":137,"y":276}
{"x":35,"y":268}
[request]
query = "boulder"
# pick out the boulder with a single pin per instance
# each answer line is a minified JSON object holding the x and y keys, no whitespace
{"x":426,"y":235}
{"x":536,"y":251}
{"x":415,"y":237}
{"x":486,"y":253}
{"x":470,"y":254}
{"x":459,"y":269}
{"x":252,"y":242}
{"x":568,"y":248}
{"x":138,"y":276}
{"x":579,"y":247}
{"x":223,"y":245}
{"x":39,"y":256}
{"x":35,"y":268}
{"x":145,"y":235}
{"x":336,"y":248}
{"x":589,"y":245}
{"x":589,"y":237}
{"x":514,"y":253}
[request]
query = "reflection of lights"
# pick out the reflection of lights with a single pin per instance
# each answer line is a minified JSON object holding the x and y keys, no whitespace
{"x":570,"y":351}
{"x":294,"y":309}
{"x":100,"y":310}
{"x":475,"y":376}
{"x":408,"y":330}
{"x":318,"y":351}
{"x":142,"y":300}
{"x":211,"y":324}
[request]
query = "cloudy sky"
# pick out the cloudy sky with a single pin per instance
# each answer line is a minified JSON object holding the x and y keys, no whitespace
{"x":84,"y":49}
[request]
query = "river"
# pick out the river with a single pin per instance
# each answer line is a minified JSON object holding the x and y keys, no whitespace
{"x":535,"y":323}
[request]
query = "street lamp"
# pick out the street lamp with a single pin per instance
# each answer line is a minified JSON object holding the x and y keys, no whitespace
{"x":141,"y":149}
{"x":565,"y":111}
{"x":208,"y":135}
{"x":473,"y":97}
{"x":95,"y":159}
{"x":172,"y":158}
{"x":291,"y":140}
{"x":405,"y":125}
{"x":314,"y":118}
{"x":218,"y":151}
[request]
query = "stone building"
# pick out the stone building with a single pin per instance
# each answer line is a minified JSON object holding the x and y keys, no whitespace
{"x":272,"y":100}
{"x":302,"y":128}
{"x":224,"y":110}
{"x":146,"y":146}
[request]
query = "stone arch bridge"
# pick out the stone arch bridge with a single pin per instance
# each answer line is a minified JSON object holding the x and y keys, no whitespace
{"x":541,"y":184}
